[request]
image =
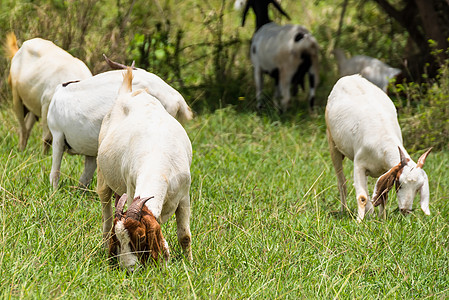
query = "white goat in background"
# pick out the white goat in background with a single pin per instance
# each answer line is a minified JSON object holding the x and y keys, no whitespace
{"x":371,"y":68}
{"x":36,"y":69}
{"x":362,"y":125}
{"x":145,"y":153}
{"x":78,"y":108}
{"x":287,"y":53}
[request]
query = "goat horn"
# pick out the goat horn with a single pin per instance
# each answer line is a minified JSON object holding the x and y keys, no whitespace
{"x":115,"y":65}
{"x":422,"y":158}
{"x":404,"y":159}
{"x":119,"y":205}
{"x":135,"y":210}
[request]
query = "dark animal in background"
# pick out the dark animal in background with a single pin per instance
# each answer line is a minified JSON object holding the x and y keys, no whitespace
{"x":287,"y":53}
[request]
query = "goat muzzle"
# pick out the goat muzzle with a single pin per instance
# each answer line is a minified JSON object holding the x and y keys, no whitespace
{"x":405,"y":211}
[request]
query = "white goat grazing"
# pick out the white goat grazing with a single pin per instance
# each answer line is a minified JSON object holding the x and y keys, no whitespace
{"x":371,"y":68}
{"x":286,"y":53}
{"x":36,"y":69}
{"x":145,"y":153}
{"x":77,"y":110}
{"x":362,"y":126}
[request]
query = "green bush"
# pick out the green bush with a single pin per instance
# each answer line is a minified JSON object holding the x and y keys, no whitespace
{"x":424,"y":116}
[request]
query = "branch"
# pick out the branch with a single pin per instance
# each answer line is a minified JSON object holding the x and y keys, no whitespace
{"x":340,"y":24}
{"x":390,"y":10}
{"x":407,"y":18}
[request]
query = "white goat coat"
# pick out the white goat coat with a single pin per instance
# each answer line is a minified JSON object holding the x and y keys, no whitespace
{"x":355,"y":106}
{"x":371,"y":68}
{"x":273,"y":47}
{"x":145,"y":152}
{"x":77,"y":110}
{"x":36,"y":69}
{"x":362,"y":125}
{"x":269,"y":55}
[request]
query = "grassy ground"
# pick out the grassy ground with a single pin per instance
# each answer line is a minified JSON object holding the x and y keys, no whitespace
{"x":265,"y":223}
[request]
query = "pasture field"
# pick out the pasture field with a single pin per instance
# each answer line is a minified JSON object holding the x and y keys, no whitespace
{"x":265,"y":223}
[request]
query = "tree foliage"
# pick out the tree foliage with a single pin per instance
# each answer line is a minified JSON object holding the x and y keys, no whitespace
{"x":201,"y":49}
{"x":424,"y":20}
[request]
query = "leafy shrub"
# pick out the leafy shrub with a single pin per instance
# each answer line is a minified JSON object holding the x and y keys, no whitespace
{"x":425,"y":117}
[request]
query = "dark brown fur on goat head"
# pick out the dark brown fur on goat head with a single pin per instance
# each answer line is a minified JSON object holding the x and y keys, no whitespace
{"x":144,"y":231}
{"x":387,"y":180}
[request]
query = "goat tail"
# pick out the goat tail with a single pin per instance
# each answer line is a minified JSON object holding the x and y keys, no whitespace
{"x":185,"y":113}
{"x":127,"y":84}
{"x":11,"y":46}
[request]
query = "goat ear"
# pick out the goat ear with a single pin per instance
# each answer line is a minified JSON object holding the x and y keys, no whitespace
{"x":113,"y":245}
{"x":404,"y":159}
{"x":384,"y":185}
{"x":163,"y":245}
{"x":422,"y":158}
{"x":153,"y":234}
{"x":425,"y":195}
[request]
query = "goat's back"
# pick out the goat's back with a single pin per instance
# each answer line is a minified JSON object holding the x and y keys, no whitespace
{"x":170,"y":98}
{"x":78,"y":108}
{"x":138,"y":136}
{"x":359,"y":114}
{"x":266,"y":50}
{"x":38,"y":67}
{"x":371,"y":68}
{"x":356,"y":64}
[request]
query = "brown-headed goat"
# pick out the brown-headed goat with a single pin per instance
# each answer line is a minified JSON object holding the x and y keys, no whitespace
{"x":145,"y":153}
{"x":362,"y":125}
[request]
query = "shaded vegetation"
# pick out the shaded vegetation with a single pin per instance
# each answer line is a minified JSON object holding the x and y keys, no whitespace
{"x":424,"y":110}
{"x":198,"y":47}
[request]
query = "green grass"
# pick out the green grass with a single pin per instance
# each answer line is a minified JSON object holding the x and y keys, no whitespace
{"x":265,"y":223}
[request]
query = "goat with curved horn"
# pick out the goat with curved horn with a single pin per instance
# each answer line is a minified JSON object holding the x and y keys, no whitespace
{"x":119,"y":206}
{"x":142,"y":159}
{"x":135,"y":210}
{"x":362,"y":126}
{"x":388,"y":180}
